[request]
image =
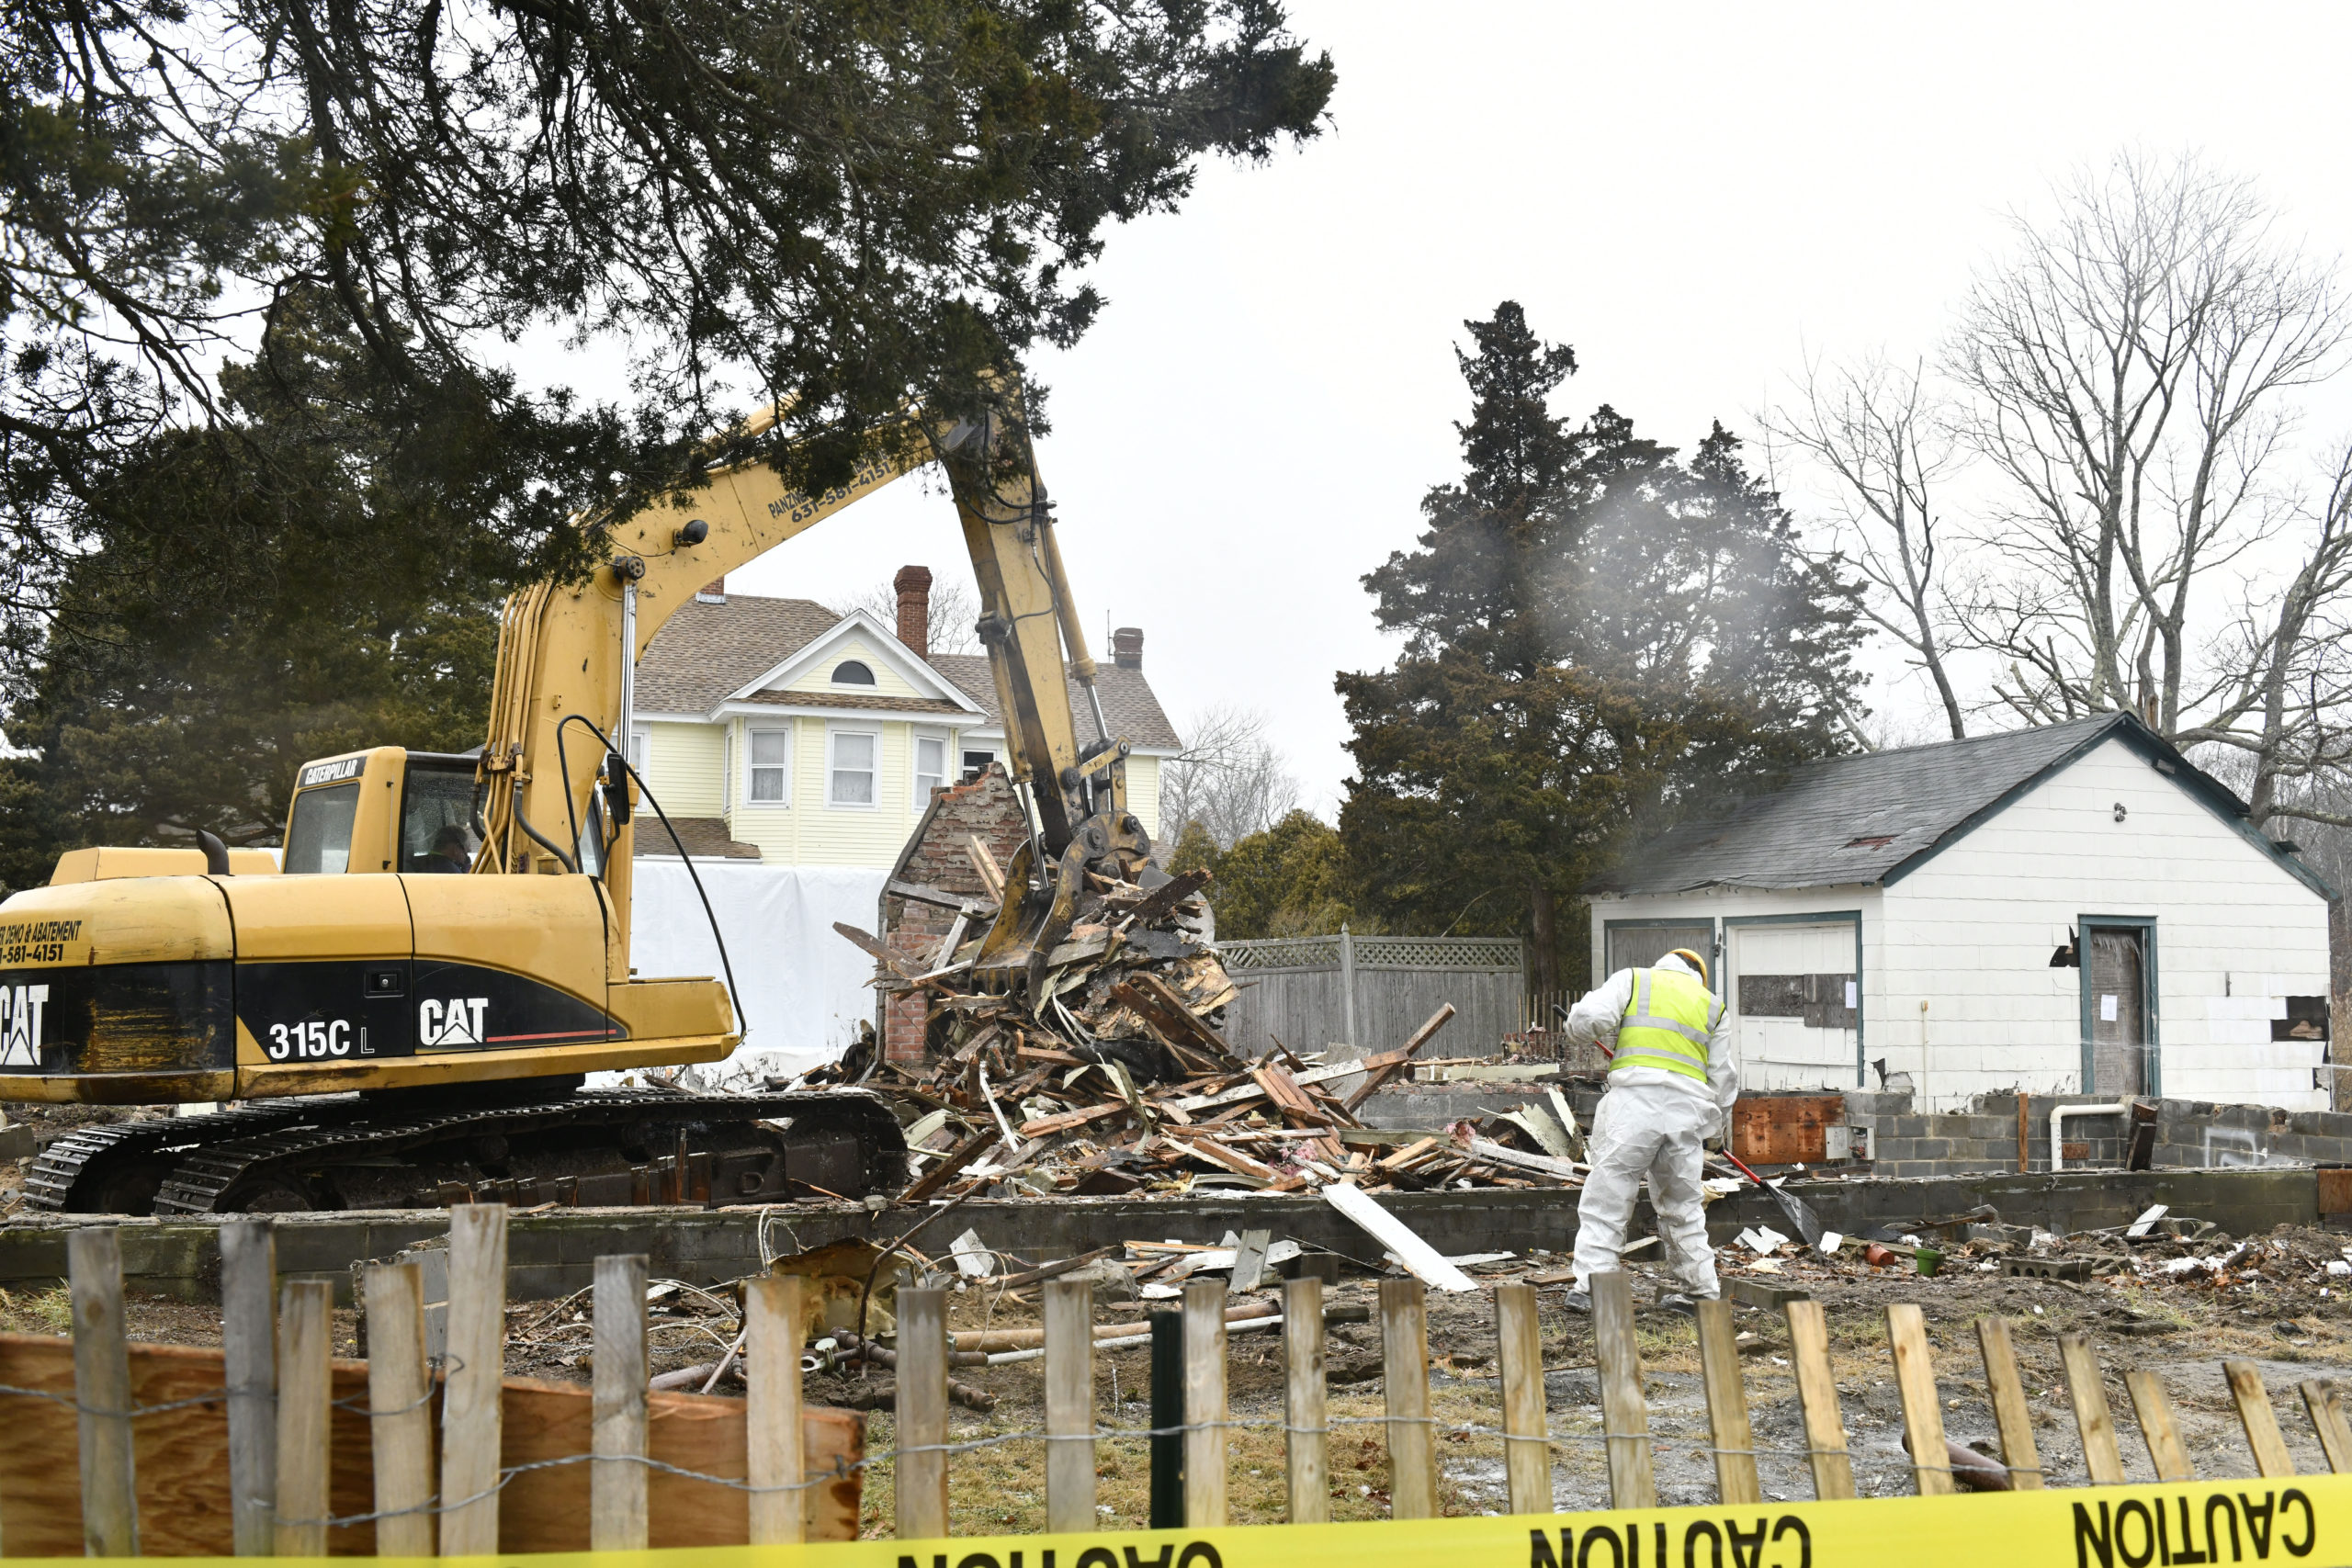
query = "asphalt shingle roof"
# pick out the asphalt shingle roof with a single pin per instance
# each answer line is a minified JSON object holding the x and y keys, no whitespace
{"x":1853,"y":819}
{"x":706,"y":652}
{"x":704,"y":838}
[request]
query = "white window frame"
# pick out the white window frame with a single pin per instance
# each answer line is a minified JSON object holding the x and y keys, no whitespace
{"x":640,"y":749}
{"x":777,"y":727}
{"x":833,"y":733}
{"x":949,"y":771}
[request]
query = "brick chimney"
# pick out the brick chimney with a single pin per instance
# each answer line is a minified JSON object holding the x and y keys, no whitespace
{"x":712,"y":593}
{"x":914,"y":586}
{"x":1126,"y":648}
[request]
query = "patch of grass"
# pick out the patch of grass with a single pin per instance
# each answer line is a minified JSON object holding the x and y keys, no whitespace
{"x":2165,"y":1307}
{"x":37,"y":1312}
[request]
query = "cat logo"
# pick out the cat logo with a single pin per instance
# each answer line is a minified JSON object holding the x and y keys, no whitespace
{"x":457,"y":1021}
{"x":20,"y":1010}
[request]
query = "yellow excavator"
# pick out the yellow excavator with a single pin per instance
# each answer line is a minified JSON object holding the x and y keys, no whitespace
{"x":389,"y":1036}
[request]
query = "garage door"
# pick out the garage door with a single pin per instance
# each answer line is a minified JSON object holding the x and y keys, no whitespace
{"x":1796,"y":1002}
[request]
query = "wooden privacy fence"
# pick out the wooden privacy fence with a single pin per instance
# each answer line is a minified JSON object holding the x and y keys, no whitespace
{"x":1310,"y":992}
{"x":270,"y":1447}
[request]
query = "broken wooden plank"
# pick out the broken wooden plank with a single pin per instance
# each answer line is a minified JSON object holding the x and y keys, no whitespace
{"x":1163,"y":899}
{"x":1544,"y":1164}
{"x":1167,"y":1015}
{"x":1243,"y":1093}
{"x":1420,"y":1258}
{"x":950,"y":1165}
{"x":1216,"y":1152}
{"x":922,"y":894}
{"x":873,"y":948}
{"x":1062,"y":1121}
{"x":991,"y":876}
{"x":1381,"y":1075}
{"x":1056,"y":1269}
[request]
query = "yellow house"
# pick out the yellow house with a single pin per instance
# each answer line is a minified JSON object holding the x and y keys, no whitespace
{"x":778,"y":731}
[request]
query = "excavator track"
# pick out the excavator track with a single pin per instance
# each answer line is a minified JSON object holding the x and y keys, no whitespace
{"x":96,"y":1156}
{"x":594,"y":1148}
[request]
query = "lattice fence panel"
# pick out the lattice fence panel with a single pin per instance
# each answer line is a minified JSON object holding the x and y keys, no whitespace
{"x":1437,"y":953}
{"x":1300,"y":952}
{"x":1295,"y":990}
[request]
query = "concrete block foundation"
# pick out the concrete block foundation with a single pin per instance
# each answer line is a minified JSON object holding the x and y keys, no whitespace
{"x":552,"y":1254}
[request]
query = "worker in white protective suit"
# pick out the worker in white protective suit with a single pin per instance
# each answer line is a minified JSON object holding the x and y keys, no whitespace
{"x":1671,"y":1083}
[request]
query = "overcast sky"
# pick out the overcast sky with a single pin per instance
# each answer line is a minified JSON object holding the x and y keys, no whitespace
{"x":1695,"y":198}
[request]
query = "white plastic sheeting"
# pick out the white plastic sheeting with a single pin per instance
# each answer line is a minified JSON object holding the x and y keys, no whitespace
{"x":802,"y":987}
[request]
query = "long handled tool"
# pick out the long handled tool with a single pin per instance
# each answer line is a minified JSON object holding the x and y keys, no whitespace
{"x":1799,"y":1215}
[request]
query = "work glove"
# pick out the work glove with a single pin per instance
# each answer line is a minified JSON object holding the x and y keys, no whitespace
{"x":1714,"y":1146}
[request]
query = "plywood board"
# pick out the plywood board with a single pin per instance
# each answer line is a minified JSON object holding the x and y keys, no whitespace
{"x":181,"y":1460}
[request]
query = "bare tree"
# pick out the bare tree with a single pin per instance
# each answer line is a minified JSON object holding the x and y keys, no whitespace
{"x":2282,"y":695}
{"x":955,"y":614}
{"x":2126,"y":376}
{"x":1230,"y":778}
{"x":1876,"y":431}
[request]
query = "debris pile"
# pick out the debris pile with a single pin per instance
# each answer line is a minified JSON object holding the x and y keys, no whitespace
{"x":1100,"y":1071}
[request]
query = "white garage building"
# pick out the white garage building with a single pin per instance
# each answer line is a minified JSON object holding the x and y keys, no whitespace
{"x":2073,"y":910}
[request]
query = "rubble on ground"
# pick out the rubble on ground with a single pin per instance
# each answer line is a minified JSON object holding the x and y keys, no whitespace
{"x":2157,"y":1251}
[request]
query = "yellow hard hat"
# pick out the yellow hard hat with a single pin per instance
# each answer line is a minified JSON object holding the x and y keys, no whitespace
{"x":1692,"y":959}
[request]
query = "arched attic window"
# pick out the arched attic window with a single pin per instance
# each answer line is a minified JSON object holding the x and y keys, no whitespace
{"x":851,"y":672}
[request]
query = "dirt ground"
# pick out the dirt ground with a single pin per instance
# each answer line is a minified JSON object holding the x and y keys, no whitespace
{"x":2271,"y":1302}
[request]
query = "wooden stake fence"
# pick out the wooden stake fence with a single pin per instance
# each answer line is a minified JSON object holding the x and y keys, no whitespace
{"x":496,"y":1447}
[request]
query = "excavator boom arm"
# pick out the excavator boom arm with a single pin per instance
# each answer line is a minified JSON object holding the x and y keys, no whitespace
{"x":568,"y":651}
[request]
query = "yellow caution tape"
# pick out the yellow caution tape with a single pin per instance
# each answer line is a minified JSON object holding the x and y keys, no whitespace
{"x":2305,"y":1522}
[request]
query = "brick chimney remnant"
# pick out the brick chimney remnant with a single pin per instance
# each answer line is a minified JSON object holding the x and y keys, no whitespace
{"x":913,"y":587}
{"x":712,"y":593}
{"x":1126,"y":648}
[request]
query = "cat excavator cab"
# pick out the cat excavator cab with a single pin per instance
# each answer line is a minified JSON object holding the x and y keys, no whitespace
{"x":402,"y":1012}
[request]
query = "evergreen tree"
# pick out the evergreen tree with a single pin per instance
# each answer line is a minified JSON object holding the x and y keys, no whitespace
{"x":836,"y":210}
{"x":246,"y":617}
{"x":1290,"y":879}
{"x":1599,"y":638}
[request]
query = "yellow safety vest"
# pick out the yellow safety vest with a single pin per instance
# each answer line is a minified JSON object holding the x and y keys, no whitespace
{"x":1666,"y":1023}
